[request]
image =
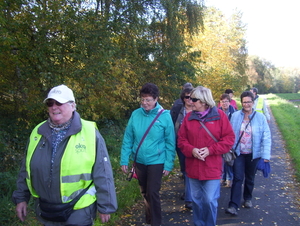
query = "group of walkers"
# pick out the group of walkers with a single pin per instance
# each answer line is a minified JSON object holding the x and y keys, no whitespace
{"x":68,"y":171}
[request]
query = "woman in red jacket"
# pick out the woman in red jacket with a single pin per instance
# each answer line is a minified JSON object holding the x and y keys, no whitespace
{"x":204,"y":155}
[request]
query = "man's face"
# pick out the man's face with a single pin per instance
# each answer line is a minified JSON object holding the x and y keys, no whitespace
{"x":251,"y":90}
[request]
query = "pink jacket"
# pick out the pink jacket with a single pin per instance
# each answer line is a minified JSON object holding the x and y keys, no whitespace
{"x":192,"y":135}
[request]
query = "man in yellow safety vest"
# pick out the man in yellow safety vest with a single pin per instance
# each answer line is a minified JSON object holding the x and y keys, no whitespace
{"x":260,"y":104}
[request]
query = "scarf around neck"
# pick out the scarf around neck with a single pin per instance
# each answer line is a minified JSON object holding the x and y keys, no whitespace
{"x":202,"y":114}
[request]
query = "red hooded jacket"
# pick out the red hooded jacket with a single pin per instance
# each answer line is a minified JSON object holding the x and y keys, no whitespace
{"x":192,"y":135}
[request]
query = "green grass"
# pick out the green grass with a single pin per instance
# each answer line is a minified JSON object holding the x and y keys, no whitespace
{"x":289,"y":96}
{"x":288,"y":121}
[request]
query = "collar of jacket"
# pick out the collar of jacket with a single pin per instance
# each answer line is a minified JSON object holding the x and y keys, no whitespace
{"x":212,"y":115}
{"x":154,"y":111}
{"x":75,"y":127}
{"x":249,"y":116}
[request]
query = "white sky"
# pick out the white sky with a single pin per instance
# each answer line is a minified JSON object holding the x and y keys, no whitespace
{"x":273,"y":28}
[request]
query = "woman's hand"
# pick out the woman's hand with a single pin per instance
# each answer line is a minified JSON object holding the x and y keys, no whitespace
{"x":21,"y":209}
{"x":201,"y":153}
{"x":166,"y":172}
{"x":124,"y":168}
{"x":104,"y":217}
{"x":204,"y":152}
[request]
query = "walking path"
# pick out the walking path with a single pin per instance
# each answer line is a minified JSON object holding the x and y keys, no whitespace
{"x":276,"y":200}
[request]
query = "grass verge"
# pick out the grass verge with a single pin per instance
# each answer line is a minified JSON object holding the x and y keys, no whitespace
{"x":287,"y":119}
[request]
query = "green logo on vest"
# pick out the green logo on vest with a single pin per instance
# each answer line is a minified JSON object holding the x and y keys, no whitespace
{"x":80,"y":148}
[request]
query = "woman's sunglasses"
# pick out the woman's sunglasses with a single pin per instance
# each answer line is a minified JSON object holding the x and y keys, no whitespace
{"x":194,"y":99}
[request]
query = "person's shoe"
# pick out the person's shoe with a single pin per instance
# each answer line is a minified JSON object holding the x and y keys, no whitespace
{"x":231,"y":210}
{"x":228,"y":183}
{"x":189,"y":205}
{"x":223,"y":182}
{"x":248,"y":204}
{"x":182,"y":197}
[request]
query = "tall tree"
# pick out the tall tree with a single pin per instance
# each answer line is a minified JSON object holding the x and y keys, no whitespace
{"x":222,"y":61}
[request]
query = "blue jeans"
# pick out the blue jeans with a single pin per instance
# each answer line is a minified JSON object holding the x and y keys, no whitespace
{"x":187,"y":187}
{"x":181,"y":157}
{"x":227,"y":172}
{"x":244,"y":170}
{"x":205,"y":194}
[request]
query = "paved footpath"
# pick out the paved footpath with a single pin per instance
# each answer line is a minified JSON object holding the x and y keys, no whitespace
{"x":276,"y":200}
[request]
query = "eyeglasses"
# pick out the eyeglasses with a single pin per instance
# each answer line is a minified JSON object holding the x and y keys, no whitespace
{"x":186,"y":97}
{"x":194,"y":99}
{"x":50,"y":103}
{"x":247,"y":102}
{"x":224,"y":101}
{"x":146,"y":100}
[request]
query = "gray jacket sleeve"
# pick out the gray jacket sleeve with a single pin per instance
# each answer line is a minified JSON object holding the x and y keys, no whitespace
{"x":103,"y":179}
{"x":22,"y":192}
{"x":266,"y":111}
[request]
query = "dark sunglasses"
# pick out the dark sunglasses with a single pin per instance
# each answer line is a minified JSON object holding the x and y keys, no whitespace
{"x":186,"y":97}
{"x":50,"y":103}
{"x":194,"y":99}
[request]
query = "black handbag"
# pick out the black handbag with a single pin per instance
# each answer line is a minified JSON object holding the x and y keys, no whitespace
{"x":59,"y":212}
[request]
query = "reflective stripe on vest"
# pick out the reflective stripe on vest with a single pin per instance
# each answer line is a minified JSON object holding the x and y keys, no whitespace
{"x":260,"y":105}
{"x":76,"y":164}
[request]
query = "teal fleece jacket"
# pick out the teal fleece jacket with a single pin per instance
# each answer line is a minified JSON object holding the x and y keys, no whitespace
{"x":158,"y":146}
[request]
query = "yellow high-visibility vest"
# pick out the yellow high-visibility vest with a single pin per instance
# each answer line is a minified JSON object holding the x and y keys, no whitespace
{"x":75,"y":167}
{"x":260,"y":105}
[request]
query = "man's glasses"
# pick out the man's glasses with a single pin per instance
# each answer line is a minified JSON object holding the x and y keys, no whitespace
{"x":50,"y":103}
{"x":186,"y":97}
{"x":224,"y":101}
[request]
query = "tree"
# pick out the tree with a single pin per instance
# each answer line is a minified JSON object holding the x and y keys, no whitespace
{"x":221,"y":64}
{"x":104,"y":50}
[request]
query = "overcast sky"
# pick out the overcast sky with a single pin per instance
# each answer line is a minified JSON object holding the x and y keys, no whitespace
{"x":273,"y":31}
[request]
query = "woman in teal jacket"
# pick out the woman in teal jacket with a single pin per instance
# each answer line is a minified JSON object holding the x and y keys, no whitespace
{"x":157,"y":152}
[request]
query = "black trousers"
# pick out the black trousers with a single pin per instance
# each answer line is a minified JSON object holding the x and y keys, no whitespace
{"x":150,"y":178}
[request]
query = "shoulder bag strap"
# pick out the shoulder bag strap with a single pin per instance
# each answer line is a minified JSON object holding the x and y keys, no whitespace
{"x":147,"y":131}
{"x":244,"y":131}
{"x":74,"y":201}
{"x":207,"y":130}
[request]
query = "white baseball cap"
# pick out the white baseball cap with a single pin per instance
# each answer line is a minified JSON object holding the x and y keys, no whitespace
{"x":61,"y":93}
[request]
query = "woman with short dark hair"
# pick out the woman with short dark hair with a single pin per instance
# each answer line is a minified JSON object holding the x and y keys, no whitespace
{"x":254,"y":145}
{"x":228,"y":110}
{"x":156,"y":154}
{"x":178,"y":112}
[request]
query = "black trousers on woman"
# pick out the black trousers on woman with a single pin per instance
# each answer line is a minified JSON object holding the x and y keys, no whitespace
{"x":150,"y":177}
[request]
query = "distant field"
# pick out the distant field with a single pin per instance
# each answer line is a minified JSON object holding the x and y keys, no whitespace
{"x":289,"y":96}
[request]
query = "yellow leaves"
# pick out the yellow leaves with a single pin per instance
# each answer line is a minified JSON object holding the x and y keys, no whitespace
{"x":220,"y":45}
